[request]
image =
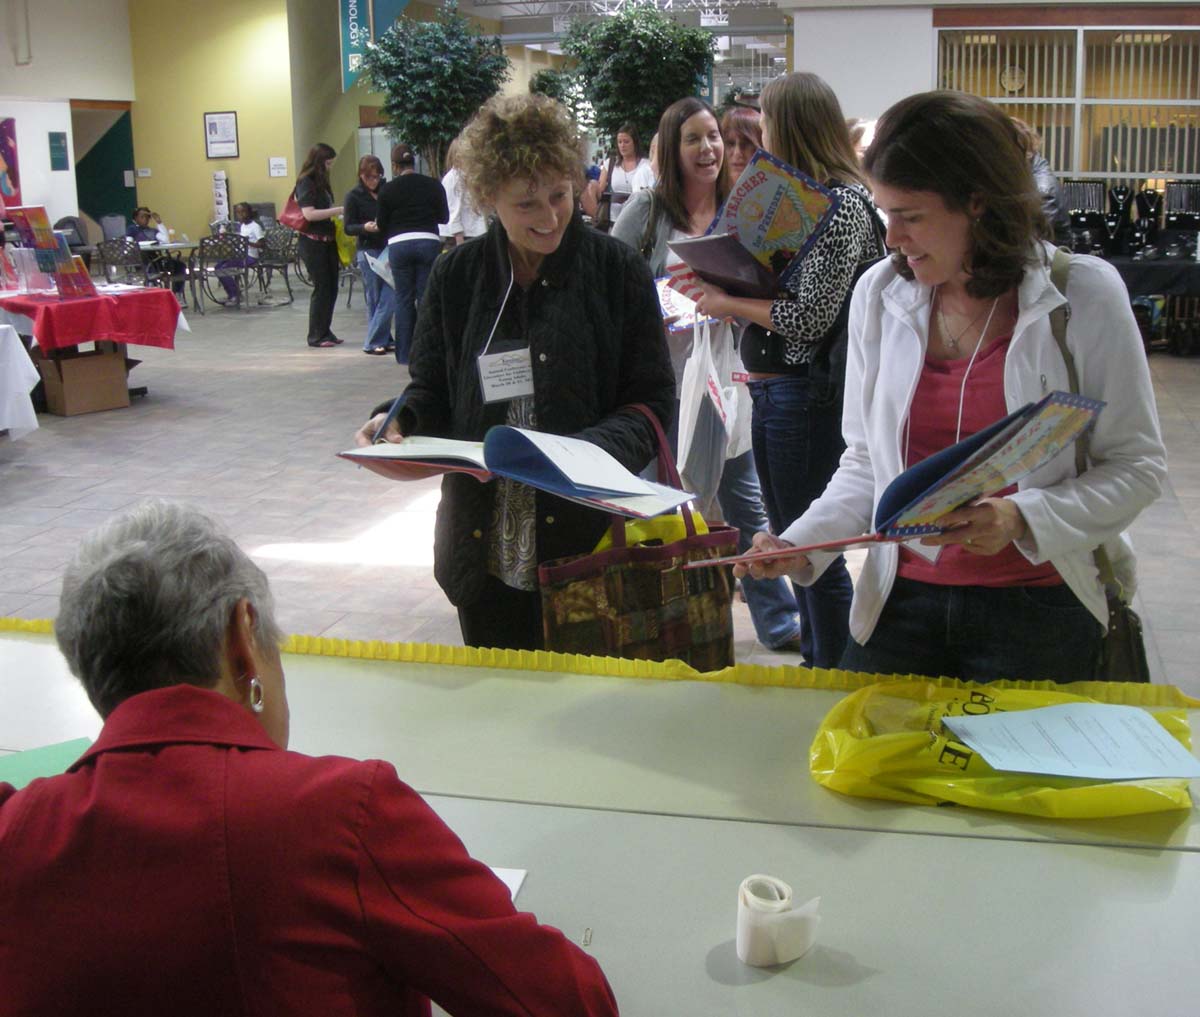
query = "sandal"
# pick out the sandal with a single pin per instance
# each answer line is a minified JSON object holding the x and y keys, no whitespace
{"x":324,"y":344}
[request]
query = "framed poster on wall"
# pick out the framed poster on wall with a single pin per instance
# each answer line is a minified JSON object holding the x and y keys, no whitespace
{"x":10,"y":174}
{"x":221,"y":135}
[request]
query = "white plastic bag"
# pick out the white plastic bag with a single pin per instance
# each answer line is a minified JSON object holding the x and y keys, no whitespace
{"x":705,"y":416}
{"x":738,"y":405}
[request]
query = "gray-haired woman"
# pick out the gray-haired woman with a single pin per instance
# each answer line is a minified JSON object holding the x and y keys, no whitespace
{"x":219,"y":866}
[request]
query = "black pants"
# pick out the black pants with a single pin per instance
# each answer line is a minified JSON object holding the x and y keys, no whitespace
{"x":503,"y":617}
{"x":321,"y":260}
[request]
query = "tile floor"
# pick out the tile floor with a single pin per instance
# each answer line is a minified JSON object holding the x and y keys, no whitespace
{"x":244,"y":420}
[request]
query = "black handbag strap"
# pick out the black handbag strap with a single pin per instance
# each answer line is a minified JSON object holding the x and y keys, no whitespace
{"x":1060,"y":268}
{"x":650,"y":233}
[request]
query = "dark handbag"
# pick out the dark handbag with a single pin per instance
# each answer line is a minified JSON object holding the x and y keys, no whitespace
{"x":291,"y":216}
{"x":637,"y":601}
{"x":603,"y":219}
{"x":1123,"y":652}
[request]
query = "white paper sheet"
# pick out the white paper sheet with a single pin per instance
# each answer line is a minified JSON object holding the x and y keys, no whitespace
{"x":1094,"y":740}
{"x":586,"y":465}
{"x":512,"y":878}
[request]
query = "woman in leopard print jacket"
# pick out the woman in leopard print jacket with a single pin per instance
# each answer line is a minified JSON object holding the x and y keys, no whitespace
{"x":795,"y":348}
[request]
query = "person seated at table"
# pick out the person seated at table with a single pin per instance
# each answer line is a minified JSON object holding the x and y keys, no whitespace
{"x":147,"y":228}
{"x":946,"y":337}
{"x":188,"y":862}
{"x":250,"y":228}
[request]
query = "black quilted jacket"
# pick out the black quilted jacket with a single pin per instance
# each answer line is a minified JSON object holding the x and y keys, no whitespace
{"x":595,"y":334}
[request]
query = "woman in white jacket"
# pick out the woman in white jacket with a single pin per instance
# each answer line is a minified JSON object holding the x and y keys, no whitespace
{"x":949,"y":335}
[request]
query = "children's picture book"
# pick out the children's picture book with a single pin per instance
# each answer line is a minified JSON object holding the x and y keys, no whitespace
{"x":986,"y":462}
{"x":772,"y":217}
{"x":568,"y":467}
{"x":51,"y":251}
{"x":678,"y":310}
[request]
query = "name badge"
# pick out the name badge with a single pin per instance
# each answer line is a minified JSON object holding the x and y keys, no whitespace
{"x":505,"y":376}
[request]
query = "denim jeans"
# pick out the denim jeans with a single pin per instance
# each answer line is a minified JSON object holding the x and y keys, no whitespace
{"x":797,"y":435}
{"x":771,"y":602}
{"x":411,"y":261}
{"x":981,"y":634}
{"x":381,"y":305}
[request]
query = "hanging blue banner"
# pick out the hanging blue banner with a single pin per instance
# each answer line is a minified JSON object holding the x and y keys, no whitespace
{"x":359,"y":22}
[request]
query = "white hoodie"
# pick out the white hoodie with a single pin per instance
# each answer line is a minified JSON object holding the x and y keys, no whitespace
{"x":1067,"y":516}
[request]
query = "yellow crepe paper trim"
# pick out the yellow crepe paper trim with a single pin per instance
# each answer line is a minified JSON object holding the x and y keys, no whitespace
{"x":788,"y":677}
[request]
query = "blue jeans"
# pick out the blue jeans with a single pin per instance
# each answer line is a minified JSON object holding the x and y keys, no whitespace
{"x":981,"y":634}
{"x":411,"y":261}
{"x":797,"y":434}
{"x":381,"y":305}
{"x":771,"y":602}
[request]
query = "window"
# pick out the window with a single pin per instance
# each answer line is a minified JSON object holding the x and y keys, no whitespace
{"x":1114,"y":104}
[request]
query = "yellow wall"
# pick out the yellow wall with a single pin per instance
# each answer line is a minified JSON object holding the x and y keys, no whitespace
{"x":276,"y":63}
{"x":189,"y":59}
{"x":526,"y":63}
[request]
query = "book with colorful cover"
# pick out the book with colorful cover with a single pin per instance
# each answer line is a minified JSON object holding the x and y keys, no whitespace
{"x":568,"y":467}
{"x":678,"y":311}
{"x":769,"y":222}
{"x":52,"y":251}
{"x":981,"y":465}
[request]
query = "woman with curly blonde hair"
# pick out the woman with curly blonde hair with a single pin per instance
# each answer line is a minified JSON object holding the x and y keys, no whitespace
{"x":578,"y":314}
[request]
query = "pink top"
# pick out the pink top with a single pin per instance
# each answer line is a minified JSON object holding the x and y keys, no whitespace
{"x":931,"y":428}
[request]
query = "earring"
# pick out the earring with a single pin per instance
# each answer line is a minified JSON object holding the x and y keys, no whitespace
{"x":256,"y":694}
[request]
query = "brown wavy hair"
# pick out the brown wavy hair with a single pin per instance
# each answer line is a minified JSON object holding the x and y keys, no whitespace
{"x":522,"y":137}
{"x":807,"y":129}
{"x":965,"y":150}
{"x":669,"y":189}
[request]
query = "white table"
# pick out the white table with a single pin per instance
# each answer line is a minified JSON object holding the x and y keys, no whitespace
{"x":925,"y":911}
{"x":18,"y":376}
{"x":912,"y":926}
{"x":690,"y":749}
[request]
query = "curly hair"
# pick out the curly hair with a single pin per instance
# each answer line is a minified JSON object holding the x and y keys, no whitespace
{"x":524,"y":137}
{"x":965,"y":150}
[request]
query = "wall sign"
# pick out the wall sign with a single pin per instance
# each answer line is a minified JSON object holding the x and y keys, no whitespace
{"x":221,"y":135}
{"x":58,"y":151}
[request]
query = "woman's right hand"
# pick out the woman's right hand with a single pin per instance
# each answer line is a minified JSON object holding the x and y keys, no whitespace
{"x":365,"y":435}
{"x":771,"y":568}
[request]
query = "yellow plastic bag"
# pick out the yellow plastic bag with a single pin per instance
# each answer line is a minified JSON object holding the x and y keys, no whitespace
{"x":888,"y":741}
{"x":664,"y":529}
{"x":347,"y":246}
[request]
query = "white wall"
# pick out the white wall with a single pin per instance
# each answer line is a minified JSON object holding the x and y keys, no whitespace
{"x":80,"y":49}
{"x":39,"y":186}
{"x":871,"y":57}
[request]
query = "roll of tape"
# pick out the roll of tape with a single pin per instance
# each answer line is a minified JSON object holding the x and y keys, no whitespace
{"x":769,"y":930}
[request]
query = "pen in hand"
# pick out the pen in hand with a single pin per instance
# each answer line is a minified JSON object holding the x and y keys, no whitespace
{"x":392,"y":414}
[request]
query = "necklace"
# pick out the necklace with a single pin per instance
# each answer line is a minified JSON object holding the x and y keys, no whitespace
{"x":952,"y":341}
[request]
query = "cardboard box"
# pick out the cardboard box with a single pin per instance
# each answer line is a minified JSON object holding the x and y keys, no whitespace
{"x":85,"y":382}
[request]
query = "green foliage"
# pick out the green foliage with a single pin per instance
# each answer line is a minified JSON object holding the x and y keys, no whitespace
{"x":565,"y":87}
{"x":435,"y":75}
{"x":635,"y":64}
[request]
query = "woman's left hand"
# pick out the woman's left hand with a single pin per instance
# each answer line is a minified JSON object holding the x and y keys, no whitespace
{"x":371,"y":227}
{"x":984,"y":527}
{"x":714,"y":302}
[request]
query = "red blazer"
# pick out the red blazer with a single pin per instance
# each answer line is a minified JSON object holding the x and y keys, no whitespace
{"x":187,"y":865}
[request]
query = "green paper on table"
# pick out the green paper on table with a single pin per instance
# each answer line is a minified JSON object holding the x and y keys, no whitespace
{"x":19,"y":768}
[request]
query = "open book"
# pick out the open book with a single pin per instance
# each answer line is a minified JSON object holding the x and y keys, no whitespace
{"x":568,"y":467}
{"x":773,"y":215}
{"x":988,"y":461}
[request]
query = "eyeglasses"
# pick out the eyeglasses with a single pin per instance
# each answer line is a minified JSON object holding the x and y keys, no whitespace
{"x":372,"y":176}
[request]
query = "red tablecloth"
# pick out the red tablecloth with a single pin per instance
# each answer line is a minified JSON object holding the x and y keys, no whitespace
{"x":139,"y":317}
